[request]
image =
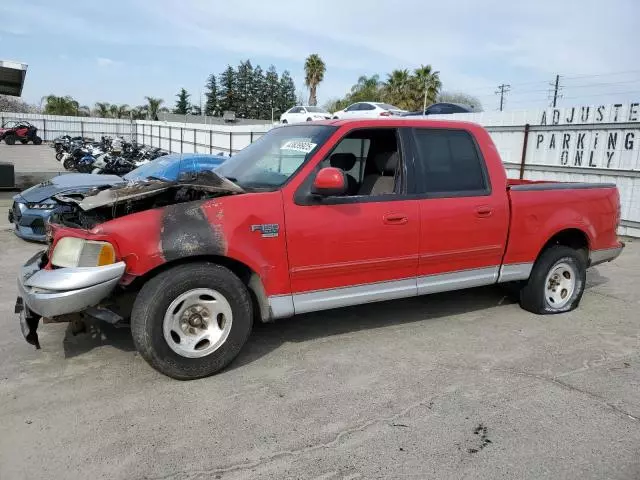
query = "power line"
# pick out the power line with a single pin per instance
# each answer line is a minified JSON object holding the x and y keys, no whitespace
{"x":502,"y":90}
{"x":599,"y":74}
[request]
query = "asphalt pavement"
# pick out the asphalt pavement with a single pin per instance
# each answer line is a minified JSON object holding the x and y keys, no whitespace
{"x":456,"y":385}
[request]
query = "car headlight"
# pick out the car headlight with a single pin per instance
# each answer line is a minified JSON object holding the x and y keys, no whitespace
{"x":41,"y":206}
{"x":77,"y":252}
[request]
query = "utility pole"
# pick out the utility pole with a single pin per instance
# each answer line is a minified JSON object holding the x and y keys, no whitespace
{"x":556,"y":91}
{"x":502,"y":90}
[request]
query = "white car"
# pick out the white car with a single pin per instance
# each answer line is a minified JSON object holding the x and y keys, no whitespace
{"x":368,"y":110}
{"x":304,"y":113}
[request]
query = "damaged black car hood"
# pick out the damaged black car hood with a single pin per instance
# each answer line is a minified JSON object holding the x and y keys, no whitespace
{"x":204,"y":181}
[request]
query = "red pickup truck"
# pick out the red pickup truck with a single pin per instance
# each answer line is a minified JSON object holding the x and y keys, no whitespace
{"x":311,"y":217}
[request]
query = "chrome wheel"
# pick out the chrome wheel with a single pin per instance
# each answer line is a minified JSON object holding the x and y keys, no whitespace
{"x":560,"y":285}
{"x":197,"y":323}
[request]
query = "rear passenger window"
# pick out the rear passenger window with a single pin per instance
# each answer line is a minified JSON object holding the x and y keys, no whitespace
{"x":450,"y":164}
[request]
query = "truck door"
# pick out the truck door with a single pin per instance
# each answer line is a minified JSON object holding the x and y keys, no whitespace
{"x":463,"y":222}
{"x":361,"y":247}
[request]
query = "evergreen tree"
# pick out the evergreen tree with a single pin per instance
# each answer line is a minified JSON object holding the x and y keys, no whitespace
{"x":211,"y":106}
{"x":182,"y":104}
{"x":271,"y":91}
{"x":287,"y":92}
{"x":259,"y":106}
{"x":244,"y":83}
{"x":227,"y":93}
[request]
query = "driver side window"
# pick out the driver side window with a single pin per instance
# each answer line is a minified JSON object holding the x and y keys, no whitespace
{"x":371,"y":161}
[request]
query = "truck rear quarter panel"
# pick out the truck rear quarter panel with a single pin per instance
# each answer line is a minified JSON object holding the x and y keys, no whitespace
{"x":537,"y":215}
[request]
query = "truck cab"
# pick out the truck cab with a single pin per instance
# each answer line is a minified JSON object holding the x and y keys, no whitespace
{"x":313,"y":217}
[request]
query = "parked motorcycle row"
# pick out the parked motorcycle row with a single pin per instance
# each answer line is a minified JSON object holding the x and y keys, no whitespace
{"x":114,"y":156}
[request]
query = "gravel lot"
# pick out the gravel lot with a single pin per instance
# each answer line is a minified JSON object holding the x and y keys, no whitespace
{"x":459,"y":385}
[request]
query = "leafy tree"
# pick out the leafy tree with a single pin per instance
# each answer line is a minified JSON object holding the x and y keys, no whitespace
{"x":61,"y":105}
{"x":211,"y":106}
{"x":459,"y":97}
{"x":227,"y":96}
{"x":101,"y":109}
{"x":15,"y":105}
{"x":182,"y":104}
{"x":314,"y":69}
{"x":153,"y":107}
{"x":287,"y":92}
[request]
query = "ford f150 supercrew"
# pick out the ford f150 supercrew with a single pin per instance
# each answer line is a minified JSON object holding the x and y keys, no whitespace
{"x":311,"y":217}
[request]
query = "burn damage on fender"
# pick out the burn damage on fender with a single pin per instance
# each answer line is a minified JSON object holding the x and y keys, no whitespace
{"x":90,"y":208}
{"x":186,"y":232}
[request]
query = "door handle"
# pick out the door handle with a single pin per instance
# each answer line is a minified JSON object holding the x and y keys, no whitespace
{"x":395,"y":219}
{"x":484,"y":211}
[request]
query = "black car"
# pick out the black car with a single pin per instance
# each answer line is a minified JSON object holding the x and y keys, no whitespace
{"x":443,"y":108}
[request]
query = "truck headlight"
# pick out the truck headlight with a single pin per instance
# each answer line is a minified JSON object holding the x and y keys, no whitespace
{"x":77,"y":252}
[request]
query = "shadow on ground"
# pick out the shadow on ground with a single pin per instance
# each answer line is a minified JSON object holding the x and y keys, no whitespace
{"x":267,"y":337}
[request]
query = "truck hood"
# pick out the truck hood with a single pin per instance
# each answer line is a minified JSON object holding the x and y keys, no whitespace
{"x":203,"y":181}
{"x":67,"y":183}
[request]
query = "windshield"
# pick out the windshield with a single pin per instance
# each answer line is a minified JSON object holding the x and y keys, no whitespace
{"x":316,"y":110}
{"x":272,"y":159}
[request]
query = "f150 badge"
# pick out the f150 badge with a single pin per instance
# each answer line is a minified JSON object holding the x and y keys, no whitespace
{"x":268,"y":230}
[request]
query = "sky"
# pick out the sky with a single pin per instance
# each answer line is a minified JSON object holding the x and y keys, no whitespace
{"x":123,"y":50}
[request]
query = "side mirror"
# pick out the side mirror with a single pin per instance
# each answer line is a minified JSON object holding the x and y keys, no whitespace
{"x":329,"y":181}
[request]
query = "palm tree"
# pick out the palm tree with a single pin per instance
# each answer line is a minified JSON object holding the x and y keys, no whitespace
{"x":153,"y":107}
{"x":113,"y":110}
{"x":398,"y":88}
{"x":314,"y":69}
{"x":139,"y":112}
{"x":84,"y":111}
{"x":61,"y":105}
{"x":101,"y":109}
{"x":427,"y":82}
{"x":122,"y":111}
{"x":367,"y":89}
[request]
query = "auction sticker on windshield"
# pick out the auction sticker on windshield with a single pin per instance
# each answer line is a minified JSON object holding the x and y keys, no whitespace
{"x":299,"y":146}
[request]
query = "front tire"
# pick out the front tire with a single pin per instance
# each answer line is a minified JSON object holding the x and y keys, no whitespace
{"x":37,"y":140}
{"x":284,"y":122}
{"x":556,"y":283}
{"x":10,"y":139}
{"x":192,"y":320}
{"x":24,"y":141}
{"x":68,"y":164}
{"x":59,"y":156}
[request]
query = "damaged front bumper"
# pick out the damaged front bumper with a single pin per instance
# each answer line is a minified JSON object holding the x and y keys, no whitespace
{"x":52,"y":293}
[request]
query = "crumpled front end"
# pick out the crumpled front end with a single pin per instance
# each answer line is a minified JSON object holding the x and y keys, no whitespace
{"x":52,"y":293}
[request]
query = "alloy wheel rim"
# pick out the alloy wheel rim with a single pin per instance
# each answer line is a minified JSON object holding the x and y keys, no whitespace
{"x":560,"y":285}
{"x":197,"y":322}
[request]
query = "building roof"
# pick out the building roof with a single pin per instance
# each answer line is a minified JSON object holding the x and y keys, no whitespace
{"x":12,"y":77}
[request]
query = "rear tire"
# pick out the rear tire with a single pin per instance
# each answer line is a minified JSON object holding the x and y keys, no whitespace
{"x":556,"y":283}
{"x":68,"y":164}
{"x":37,"y":140}
{"x":308,"y":119}
{"x":284,"y":122}
{"x":154,"y":307}
{"x":59,"y":156}
{"x":10,"y":139}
